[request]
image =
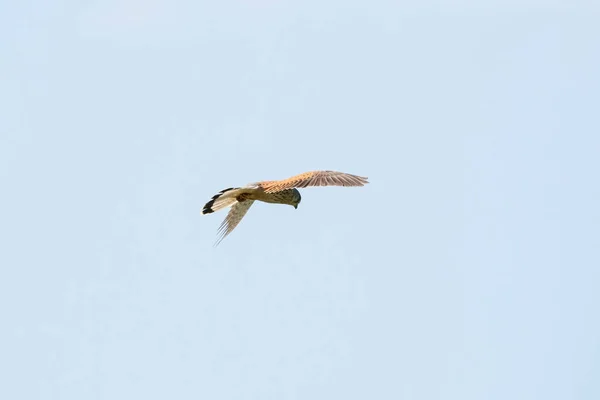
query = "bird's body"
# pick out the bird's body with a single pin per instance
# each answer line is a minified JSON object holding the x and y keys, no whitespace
{"x":280,"y":192}
{"x":250,"y":192}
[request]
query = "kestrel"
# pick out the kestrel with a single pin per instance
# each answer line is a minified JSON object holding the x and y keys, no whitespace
{"x":281,"y":192}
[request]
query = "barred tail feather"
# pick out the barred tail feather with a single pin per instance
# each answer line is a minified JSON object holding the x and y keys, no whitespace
{"x":221,"y":200}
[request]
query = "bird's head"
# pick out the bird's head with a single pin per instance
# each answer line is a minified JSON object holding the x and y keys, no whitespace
{"x":296,"y":198}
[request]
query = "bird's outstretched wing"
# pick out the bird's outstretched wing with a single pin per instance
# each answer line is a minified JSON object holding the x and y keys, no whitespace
{"x":314,"y":178}
{"x":234,"y":216}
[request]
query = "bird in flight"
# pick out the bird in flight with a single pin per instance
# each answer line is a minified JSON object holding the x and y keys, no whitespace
{"x":280,"y":192}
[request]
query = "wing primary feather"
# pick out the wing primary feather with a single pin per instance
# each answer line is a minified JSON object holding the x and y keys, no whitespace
{"x":315,"y":178}
{"x":233,"y":218}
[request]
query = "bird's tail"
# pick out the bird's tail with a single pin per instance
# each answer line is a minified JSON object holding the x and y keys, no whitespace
{"x":223,"y":199}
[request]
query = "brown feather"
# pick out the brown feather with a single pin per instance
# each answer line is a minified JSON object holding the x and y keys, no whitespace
{"x":314,"y":178}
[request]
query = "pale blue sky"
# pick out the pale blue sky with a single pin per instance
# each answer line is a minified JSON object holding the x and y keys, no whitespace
{"x":468,"y":269}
